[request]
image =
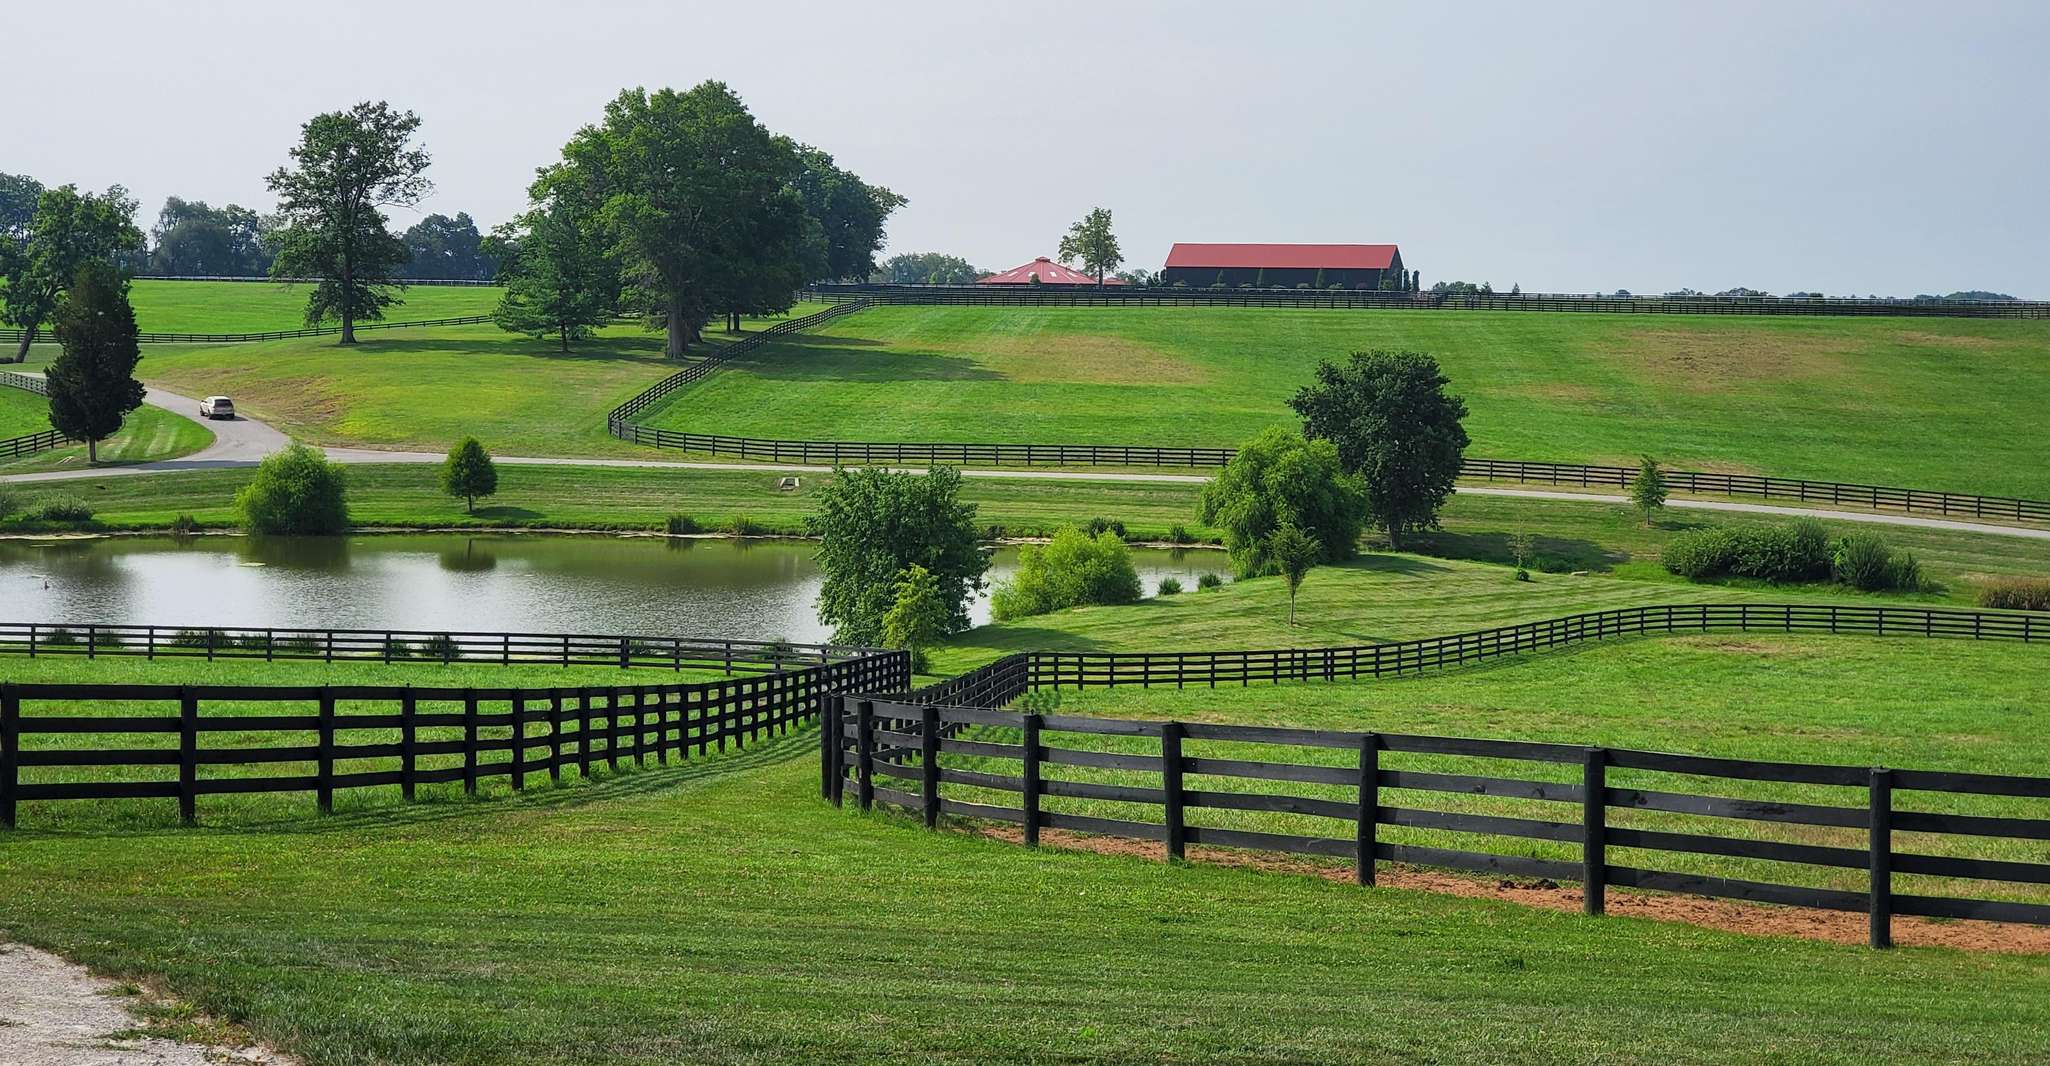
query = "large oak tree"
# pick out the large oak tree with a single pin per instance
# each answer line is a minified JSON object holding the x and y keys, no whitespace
{"x":698,"y":199}
{"x":349,"y":166}
{"x":68,"y":230}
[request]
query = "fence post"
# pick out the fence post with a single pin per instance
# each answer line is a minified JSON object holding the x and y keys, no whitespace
{"x":1033,"y":784}
{"x":612,"y":729}
{"x":409,"y":744}
{"x":469,"y":742}
{"x":584,"y":734}
{"x":188,"y":757}
{"x":555,"y":736}
{"x":865,"y":754}
{"x":929,"y":770}
{"x":519,"y":743}
{"x":1369,"y":808}
{"x":324,"y":785}
{"x":640,"y":726}
{"x":1171,"y":784}
{"x":1594,"y":808}
{"x":1880,"y":843}
{"x":10,"y":753}
{"x":829,"y":751}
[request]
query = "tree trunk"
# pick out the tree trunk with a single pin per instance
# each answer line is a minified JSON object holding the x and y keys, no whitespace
{"x":92,"y":452}
{"x":679,"y":330}
{"x":28,"y":337}
{"x":565,"y":337}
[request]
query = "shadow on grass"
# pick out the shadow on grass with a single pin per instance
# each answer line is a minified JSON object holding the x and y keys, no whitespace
{"x":1548,"y":553}
{"x":835,"y":359}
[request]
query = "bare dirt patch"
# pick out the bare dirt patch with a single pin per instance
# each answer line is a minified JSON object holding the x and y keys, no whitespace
{"x":1966,"y":341}
{"x":1758,"y":919}
{"x":54,"y":1013}
{"x":1087,"y":358}
{"x":1706,"y":360}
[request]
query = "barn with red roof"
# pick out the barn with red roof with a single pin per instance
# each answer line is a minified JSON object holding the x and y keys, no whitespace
{"x":1048,"y":272}
{"x":1285,"y":266}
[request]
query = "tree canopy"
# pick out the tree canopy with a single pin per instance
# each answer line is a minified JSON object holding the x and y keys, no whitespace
{"x":68,"y":230}
{"x":92,"y":382}
{"x":1395,"y":427}
{"x":1278,"y":479}
{"x":194,"y":239}
{"x":296,"y":491}
{"x":873,"y":526}
{"x":929,"y":268}
{"x":846,"y":218}
{"x":696,"y":197}
{"x":1091,"y":243}
{"x":558,"y":278}
{"x":347,"y":167}
{"x":469,"y":473}
{"x":18,"y":196}
{"x":447,"y":248}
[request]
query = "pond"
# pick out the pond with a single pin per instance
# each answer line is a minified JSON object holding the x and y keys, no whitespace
{"x":741,"y":589}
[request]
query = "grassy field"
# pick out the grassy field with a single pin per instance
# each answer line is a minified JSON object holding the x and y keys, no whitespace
{"x":1935,"y":403}
{"x":259,"y":306}
{"x":22,"y":412}
{"x":692,"y":915}
{"x":148,"y":435}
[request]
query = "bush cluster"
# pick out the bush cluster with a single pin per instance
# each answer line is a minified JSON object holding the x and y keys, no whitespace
{"x":1072,"y":570}
{"x":296,"y":491}
{"x":2016,"y":594}
{"x":1169,"y":586}
{"x":1800,"y":551}
{"x":69,"y":511}
{"x":1101,"y":524}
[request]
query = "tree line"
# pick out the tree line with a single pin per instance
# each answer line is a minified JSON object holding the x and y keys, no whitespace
{"x":678,"y":205}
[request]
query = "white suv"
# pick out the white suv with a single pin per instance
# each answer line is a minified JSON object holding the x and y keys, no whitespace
{"x":217,"y":407}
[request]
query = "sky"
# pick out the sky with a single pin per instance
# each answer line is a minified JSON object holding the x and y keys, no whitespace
{"x":1849,"y":148}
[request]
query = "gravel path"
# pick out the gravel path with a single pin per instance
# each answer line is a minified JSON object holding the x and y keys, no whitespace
{"x":243,"y":442}
{"x":54,"y":1013}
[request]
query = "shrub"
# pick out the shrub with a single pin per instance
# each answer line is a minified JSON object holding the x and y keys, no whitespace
{"x":743,"y":526}
{"x":195,"y":638}
{"x":680,"y":524}
{"x":58,"y":638}
{"x":1179,"y":534}
{"x":10,"y":503}
{"x":1207,"y":581}
{"x":71,"y":511}
{"x":1862,"y":561}
{"x":295,"y":491}
{"x":302,"y":644}
{"x":440,"y":647}
{"x":1797,"y":552}
{"x":184,"y":525}
{"x":1169,"y":586}
{"x":2016,"y":594}
{"x":1099,"y":525}
{"x":1522,"y":574}
{"x":1072,"y":570}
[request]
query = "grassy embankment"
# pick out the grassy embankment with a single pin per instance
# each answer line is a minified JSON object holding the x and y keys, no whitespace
{"x":261,"y":306}
{"x":148,"y":435}
{"x":1927,"y":403}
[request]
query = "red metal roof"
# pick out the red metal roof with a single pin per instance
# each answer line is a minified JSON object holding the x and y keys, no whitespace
{"x":1284,"y":256}
{"x":1050,"y":273}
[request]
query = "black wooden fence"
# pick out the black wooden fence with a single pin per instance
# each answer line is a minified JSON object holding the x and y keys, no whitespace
{"x":1836,"y":493}
{"x":618,"y":420}
{"x":899,"y":754}
{"x":534,"y":730}
{"x":1122,"y":296}
{"x":35,"y":639}
{"x":14,"y":335}
{"x":29,"y":443}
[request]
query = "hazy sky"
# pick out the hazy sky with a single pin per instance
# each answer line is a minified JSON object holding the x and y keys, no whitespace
{"x":1848,"y":147}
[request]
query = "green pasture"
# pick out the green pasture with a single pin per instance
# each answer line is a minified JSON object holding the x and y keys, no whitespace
{"x":262,"y":306}
{"x":1925,"y":403}
{"x":22,"y":412}
{"x":719,"y":912}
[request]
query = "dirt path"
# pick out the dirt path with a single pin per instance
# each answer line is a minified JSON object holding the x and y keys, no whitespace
{"x":54,"y":1013}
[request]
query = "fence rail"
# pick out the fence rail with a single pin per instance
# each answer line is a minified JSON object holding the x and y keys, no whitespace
{"x":305,"y":281}
{"x":14,"y":335}
{"x":618,"y":420}
{"x":900,"y":754}
{"x":30,"y":443}
{"x":35,"y":639}
{"x":383,"y":744}
{"x":1048,"y":296}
